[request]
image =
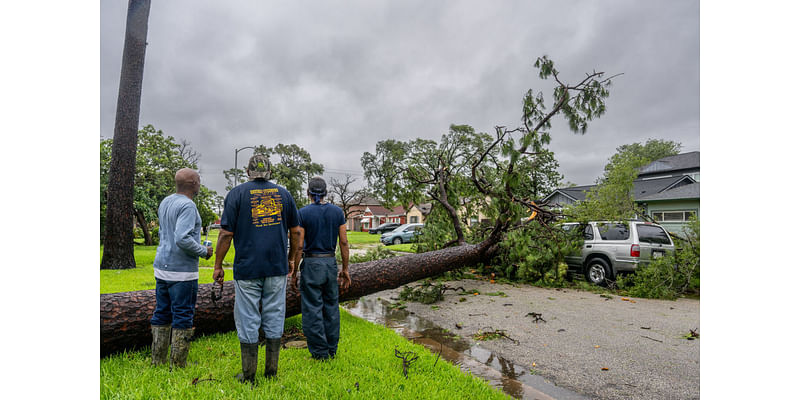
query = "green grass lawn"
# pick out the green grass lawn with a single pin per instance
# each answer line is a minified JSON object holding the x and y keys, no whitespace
{"x":362,"y":238}
{"x":366,"y":357}
{"x":405,"y":247}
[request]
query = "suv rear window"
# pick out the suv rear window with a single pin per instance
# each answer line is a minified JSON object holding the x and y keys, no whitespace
{"x":652,"y":234}
{"x":613,"y":231}
{"x":579,"y":231}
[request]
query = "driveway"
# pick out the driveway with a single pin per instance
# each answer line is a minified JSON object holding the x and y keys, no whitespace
{"x":602,"y":346}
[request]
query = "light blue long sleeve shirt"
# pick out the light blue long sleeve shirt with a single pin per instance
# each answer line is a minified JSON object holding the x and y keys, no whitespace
{"x":179,"y":239}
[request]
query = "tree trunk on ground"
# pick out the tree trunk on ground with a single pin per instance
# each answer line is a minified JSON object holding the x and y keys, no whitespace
{"x":118,"y":244}
{"x":148,"y":239}
{"x":125,"y":317}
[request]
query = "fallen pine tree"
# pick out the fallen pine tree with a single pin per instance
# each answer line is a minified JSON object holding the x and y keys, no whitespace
{"x":125,"y":317}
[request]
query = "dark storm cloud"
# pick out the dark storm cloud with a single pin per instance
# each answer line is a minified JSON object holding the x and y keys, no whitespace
{"x":337,"y":77}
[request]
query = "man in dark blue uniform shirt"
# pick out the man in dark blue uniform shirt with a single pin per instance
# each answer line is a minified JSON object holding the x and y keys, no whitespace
{"x":321,"y":224}
{"x":256,"y":217}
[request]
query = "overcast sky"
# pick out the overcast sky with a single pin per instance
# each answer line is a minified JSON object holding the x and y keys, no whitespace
{"x":337,"y":77}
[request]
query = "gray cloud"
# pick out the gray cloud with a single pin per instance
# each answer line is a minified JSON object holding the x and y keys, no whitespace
{"x":337,"y":77}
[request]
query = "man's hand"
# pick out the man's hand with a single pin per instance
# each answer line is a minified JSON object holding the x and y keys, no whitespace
{"x":219,"y":275}
{"x":209,"y":252}
{"x":344,"y":279}
{"x":294,"y":281}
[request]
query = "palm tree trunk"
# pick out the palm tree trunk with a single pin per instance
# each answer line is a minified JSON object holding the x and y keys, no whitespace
{"x":118,"y":244}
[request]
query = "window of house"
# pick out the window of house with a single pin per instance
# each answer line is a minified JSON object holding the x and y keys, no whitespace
{"x":673,"y":216}
{"x":414,"y":219}
{"x":613,"y":231}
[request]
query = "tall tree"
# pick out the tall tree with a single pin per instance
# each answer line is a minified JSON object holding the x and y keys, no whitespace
{"x":118,"y":238}
{"x":380,"y":170}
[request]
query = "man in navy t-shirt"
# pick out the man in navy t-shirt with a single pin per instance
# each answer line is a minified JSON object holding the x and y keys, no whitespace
{"x":322,"y":224}
{"x":256,"y":217}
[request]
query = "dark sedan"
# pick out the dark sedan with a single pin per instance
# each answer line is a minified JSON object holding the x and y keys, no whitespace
{"x":387,"y":227}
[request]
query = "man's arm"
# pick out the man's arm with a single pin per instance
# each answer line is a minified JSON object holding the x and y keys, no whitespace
{"x":295,"y":246}
{"x":295,"y":264}
{"x":344,"y":247}
{"x":223,"y":245}
{"x":183,"y":233}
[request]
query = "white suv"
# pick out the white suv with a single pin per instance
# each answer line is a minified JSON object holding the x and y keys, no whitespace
{"x":613,"y":247}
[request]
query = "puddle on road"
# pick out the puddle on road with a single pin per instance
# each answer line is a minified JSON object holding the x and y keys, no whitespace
{"x":513,"y":379}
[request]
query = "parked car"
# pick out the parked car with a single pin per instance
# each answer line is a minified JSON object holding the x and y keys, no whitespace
{"x":402,"y":234}
{"x":215,"y":226}
{"x":387,"y":227}
{"x":611,"y":248}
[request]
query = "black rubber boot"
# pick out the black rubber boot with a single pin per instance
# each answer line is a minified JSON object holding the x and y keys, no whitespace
{"x":249,"y":362}
{"x":271,"y":363}
{"x":180,"y":346}
{"x":161,"y":338}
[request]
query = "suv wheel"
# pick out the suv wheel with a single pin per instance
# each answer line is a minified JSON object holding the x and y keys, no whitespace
{"x":397,"y":240}
{"x":598,"y":272}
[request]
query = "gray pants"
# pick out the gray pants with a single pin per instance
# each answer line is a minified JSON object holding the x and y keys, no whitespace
{"x":320,"y":305}
{"x":270,"y":294}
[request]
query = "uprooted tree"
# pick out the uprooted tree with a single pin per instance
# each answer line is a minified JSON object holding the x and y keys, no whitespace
{"x":497,"y":169}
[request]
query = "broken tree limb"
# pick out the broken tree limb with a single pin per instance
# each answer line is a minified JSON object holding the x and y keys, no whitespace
{"x":125,"y":317}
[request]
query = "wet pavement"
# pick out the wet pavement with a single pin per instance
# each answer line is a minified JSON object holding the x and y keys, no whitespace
{"x":513,"y":379}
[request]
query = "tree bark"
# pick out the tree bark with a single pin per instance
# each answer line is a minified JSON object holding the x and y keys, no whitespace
{"x":118,"y":244}
{"x":148,"y":239}
{"x":125,"y":317}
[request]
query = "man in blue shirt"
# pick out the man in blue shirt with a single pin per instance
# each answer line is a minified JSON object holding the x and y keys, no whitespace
{"x":256,"y":217}
{"x":175,"y":270}
{"x":322,"y":224}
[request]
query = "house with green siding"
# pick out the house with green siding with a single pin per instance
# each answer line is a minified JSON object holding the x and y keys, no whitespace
{"x":668,"y":189}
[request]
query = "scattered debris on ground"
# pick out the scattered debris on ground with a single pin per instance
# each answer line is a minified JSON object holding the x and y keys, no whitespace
{"x":536,"y":317}
{"x":492,"y":334}
{"x":408,"y":357}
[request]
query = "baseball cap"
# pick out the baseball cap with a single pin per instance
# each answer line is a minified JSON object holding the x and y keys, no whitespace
{"x":316,"y":185}
{"x":258,"y":167}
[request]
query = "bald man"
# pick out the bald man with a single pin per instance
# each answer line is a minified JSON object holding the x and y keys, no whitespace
{"x":175,"y":269}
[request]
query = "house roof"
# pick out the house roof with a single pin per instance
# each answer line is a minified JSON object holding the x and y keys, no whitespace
{"x":576,"y":193}
{"x":641,"y":188}
{"x":678,"y":162}
{"x":690,"y":191}
{"x":380,"y":211}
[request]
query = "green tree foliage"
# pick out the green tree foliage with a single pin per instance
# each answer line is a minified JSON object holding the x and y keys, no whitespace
{"x":613,"y":198}
{"x":158,"y":157}
{"x":383,"y":171}
{"x":642,"y":154}
{"x":533,"y":253}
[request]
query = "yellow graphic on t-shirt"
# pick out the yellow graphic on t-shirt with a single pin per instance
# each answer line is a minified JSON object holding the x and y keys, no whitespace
{"x":265,"y":207}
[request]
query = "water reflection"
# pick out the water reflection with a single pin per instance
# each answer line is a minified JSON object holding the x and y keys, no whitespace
{"x":512,"y":378}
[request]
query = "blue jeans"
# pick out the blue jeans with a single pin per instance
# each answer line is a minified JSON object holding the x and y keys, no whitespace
{"x":270,"y":294}
{"x":320,"y":305}
{"x":175,"y":302}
